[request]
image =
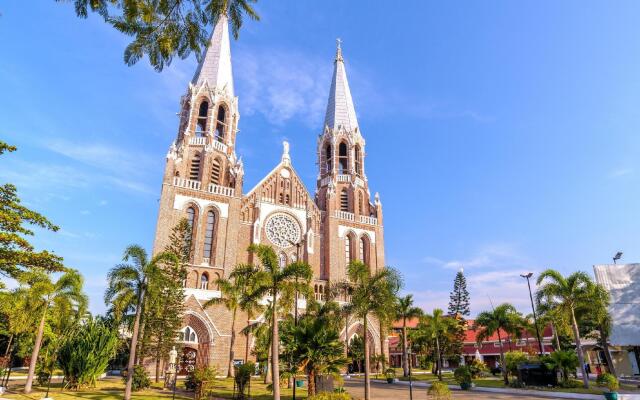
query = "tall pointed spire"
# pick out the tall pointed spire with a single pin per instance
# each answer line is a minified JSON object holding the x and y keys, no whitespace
{"x":340,"y":109}
{"x":215,"y":67}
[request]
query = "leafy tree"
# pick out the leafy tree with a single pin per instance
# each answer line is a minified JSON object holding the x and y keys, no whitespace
{"x":459,"y":297}
{"x":356,"y":352}
{"x":126,"y":289}
{"x":437,"y":327}
{"x":594,"y":316}
{"x":85,"y":355}
{"x":65,"y":293}
{"x":16,"y":253}
{"x":168,"y":28}
{"x":499,"y":320}
{"x":372,"y":292}
{"x":566,"y":295}
{"x":404,"y":311}
{"x":281,"y":283}
{"x":514,"y":358}
{"x":565,"y":361}
{"x":315,"y":345}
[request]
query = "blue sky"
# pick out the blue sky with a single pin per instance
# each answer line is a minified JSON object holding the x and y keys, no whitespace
{"x":502,"y":136}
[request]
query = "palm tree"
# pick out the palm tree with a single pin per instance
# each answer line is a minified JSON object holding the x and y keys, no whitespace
{"x":65,"y":293}
{"x":234,"y":295}
{"x":499,"y":320}
{"x":281,"y":283}
{"x":567,"y":294}
{"x":372,"y":293}
{"x":564,"y":361}
{"x":126,"y":288}
{"x":316,"y":348}
{"x":436,"y":326}
{"x":598,"y":311}
{"x":250,"y":302}
{"x":404,"y":311}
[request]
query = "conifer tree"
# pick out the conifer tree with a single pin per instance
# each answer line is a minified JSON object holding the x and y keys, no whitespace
{"x":459,"y":297}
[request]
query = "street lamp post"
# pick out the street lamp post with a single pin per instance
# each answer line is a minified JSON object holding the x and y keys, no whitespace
{"x":528,"y":276}
{"x":410,"y":380}
{"x":295,"y":311}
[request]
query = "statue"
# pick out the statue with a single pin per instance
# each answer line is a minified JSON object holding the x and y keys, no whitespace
{"x":286,"y":159}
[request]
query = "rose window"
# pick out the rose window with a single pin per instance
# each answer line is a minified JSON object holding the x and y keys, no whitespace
{"x":282,"y":230}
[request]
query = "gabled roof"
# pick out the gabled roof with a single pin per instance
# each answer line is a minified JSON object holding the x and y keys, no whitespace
{"x":215,"y":67}
{"x":340,"y":109}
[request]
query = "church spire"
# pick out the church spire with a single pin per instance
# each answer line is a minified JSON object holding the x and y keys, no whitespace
{"x":215,"y":67}
{"x":340,"y":109}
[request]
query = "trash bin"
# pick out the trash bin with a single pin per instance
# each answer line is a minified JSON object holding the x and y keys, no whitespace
{"x":299,"y":383}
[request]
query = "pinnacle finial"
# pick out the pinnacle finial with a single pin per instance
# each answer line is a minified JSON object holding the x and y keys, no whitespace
{"x":339,"y":50}
{"x":285,"y":153}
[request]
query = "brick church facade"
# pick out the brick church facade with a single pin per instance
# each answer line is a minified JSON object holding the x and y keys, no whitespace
{"x":203,"y":181}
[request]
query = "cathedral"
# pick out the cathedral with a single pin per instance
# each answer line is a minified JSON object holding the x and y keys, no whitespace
{"x":203,"y":182}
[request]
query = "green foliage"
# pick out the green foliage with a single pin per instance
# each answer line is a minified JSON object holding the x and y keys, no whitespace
{"x":477,"y":368}
{"x":201,"y":379}
{"x":565,"y":361}
{"x":165,"y":29}
{"x":514,"y":358}
{"x":140,"y":380}
{"x":16,"y":253}
{"x":390,"y":373}
{"x":459,"y":297}
{"x":331,"y":396}
{"x":462,"y":374}
{"x":609,"y":381}
{"x":85,"y":355}
{"x":439,"y":391}
{"x":242,"y":376}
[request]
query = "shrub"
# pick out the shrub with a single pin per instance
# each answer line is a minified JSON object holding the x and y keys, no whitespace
{"x":390,"y":373}
{"x":201,"y":379}
{"x":140,"y":379}
{"x":609,"y":381}
{"x":565,"y":361}
{"x":85,"y":354}
{"x":330,"y":396}
{"x":439,"y":391}
{"x":513,"y":358}
{"x":242,"y":377}
{"x":462,"y":375}
{"x":477,"y":368}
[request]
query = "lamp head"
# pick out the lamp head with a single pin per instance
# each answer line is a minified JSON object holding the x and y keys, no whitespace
{"x":527,"y":275}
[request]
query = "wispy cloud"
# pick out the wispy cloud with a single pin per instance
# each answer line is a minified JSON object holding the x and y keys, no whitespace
{"x":619,"y":172}
{"x":493,"y":255}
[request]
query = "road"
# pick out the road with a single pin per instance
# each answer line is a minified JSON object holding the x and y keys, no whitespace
{"x":384,"y":391}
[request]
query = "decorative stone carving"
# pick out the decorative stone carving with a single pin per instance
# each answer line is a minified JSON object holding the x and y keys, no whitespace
{"x":282,"y":229}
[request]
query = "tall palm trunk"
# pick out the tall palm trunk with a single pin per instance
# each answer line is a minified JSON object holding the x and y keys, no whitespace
{"x":503,"y":365}
{"x":438,"y":358}
{"x":6,"y":352}
{"x":140,"y":353}
{"x":230,"y":371}
{"x":159,"y":346}
{"x":275,"y":341}
{"x":405,"y":365}
{"x":36,"y":350}
{"x":367,"y":383}
{"x":246,"y":347}
{"x":311,"y":385}
{"x":134,"y":344}
{"x":267,"y":375}
{"x":607,"y":352}
{"x":383,"y":335}
{"x":576,"y":336}
{"x":555,"y":334}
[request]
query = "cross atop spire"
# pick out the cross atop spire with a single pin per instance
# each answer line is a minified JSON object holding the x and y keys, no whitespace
{"x":215,"y":67}
{"x":340,"y":109}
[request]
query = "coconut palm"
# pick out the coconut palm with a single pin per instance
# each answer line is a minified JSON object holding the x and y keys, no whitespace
{"x":234,"y":295}
{"x":404,"y":311}
{"x":500,"y":319}
{"x":372,"y":292}
{"x":436,"y":327}
{"x":65,"y":293}
{"x":567,"y":294}
{"x":250,"y":302}
{"x":126,"y":288}
{"x":564,"y":361}
{"x":281,"y":283}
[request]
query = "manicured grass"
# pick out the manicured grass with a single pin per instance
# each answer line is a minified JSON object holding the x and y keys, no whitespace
{"x":223,"y":388}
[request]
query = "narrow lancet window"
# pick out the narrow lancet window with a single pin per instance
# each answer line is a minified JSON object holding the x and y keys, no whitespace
{"x":209,"y":235}
{"x":343,"y":159}
{"x":194,"y":169}
{"x":221,"y":124}
{"x":203,"y":111}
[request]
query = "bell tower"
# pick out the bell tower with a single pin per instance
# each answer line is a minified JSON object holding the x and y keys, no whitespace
{"x":352,"y":223}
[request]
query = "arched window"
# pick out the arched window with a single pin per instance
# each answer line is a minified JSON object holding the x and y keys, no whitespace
{"x":194,"y":169}
{"x":201,"y":125}
{"x":189,"y":335}
{"x":209,"y":235}
{"x":358,"y":157}
{"x":347,"y":250}
{"x":344,"y":200}
{"x":328,"y":159}
{"x":364,"y":250}
{"x":215,"y":172}
{"x":204,"y":281}
{"x":221,"y":124}
{"x":282,"y":260}
{"x":343,"y":159}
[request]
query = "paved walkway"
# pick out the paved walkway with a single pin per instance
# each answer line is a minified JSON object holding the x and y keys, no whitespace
{"x":384,"y":391}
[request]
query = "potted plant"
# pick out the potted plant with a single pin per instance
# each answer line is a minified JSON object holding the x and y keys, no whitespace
{"x":462,"y":375}
{"x":390,"y":374}
{"x":610,"y":382}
